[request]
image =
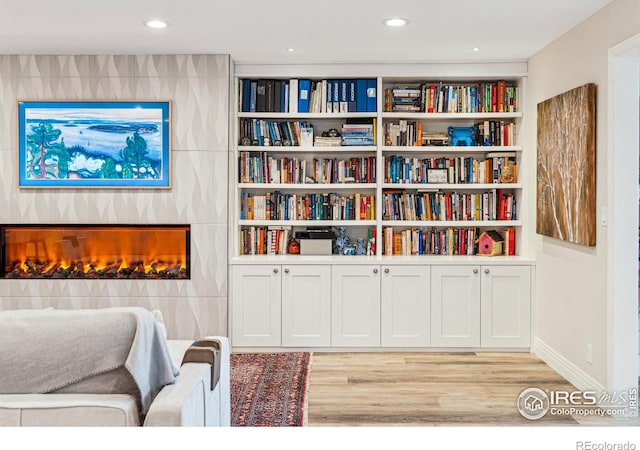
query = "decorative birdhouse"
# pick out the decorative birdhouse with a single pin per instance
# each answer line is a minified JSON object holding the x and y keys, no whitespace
{"x":490,"y":243}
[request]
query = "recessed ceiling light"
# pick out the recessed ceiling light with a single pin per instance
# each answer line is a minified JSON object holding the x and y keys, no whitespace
{"x":291,"y":49}
{"x":476,"y":49}
{"x":156,"y":24}
{"x":395,"y":22}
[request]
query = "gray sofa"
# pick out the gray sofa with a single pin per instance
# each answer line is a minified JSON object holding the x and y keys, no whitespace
{"x":199,"y":395}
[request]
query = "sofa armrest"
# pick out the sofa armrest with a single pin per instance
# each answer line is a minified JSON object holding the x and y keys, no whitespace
{"x":182,"y":403}
{"x":190,"y":400}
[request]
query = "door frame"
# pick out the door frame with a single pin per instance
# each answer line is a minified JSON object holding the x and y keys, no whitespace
{"x":622,"y":258}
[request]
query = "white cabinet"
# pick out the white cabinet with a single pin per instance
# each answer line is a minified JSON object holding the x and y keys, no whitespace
{"x":306,"y":306}
{"x":355,"y":305}
{"x":481,"y":306}
{"x":256,"y":305}
{"x":371,"y":305}
{"x":505,"y":306}
{"x":455,"y":306}
{"x":405,"y":306}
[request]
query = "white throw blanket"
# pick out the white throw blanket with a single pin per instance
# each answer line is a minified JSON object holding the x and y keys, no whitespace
{"x":42,"y":351}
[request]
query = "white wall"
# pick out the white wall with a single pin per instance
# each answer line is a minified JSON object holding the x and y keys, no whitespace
{"x":571,"y":288}
{"x":198,"y":86}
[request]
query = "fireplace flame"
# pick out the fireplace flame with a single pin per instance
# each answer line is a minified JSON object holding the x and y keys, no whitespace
{"x":96,"y":252}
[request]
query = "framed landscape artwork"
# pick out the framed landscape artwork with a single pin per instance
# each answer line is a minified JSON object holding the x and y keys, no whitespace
{"x":566,"y":171}
{"x":82,"y":144}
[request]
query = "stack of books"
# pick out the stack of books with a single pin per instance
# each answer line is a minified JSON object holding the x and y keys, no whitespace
{"x":357,"y":134}
{"x":327,"y":141}
{"x":404,"y":99}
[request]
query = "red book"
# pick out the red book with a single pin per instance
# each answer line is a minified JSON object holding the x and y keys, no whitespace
{"x":510,"y":241}
{"x":501,"y":92}
{"x":494,"y":98}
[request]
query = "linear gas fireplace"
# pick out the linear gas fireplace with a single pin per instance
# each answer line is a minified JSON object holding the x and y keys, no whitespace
{"x":95,"y":251}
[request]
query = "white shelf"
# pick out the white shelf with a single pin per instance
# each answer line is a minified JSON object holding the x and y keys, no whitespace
{"x":451,"y":223}
{"x":450,"y":116}
{"x":308,"y":186}
{"x":451,"y":186}
{"x":450,"y":149}
{"x":307,"y":223}
{"x":309,"y":149}
{"x":470,"y":260}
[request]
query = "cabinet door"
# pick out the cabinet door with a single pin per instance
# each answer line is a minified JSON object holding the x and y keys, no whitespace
{"x":255,"y":305}
{"x":506,"y":306}
{"x":355,"y":305}
{"x":455,"y":306}
{"x":306,"y":306}
{"x":405,"y":306}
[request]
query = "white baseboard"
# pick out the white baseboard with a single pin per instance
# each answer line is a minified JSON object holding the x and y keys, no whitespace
{"x":572,"y":373}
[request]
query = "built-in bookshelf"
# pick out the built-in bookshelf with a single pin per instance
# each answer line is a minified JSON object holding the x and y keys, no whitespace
{"x":414,"y":166}
{"x":416,"y":171}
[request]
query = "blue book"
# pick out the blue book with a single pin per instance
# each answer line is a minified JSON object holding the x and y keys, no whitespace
{"x":252,"y":100}
{"x":344,"y":96}
{"x":371,"y":95}
{"x":283,"y":96}
{"x":336,"y":96}
{"x":246,"y":95}
{"x":329,"y":96}
{"x":352,"y":96}
{"x":259,"y":133}
{"x":361,"y":95}
{"x":303,"y":96}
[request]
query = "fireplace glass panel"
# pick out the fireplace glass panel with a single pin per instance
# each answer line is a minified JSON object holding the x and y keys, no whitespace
{"x":96,"y":251}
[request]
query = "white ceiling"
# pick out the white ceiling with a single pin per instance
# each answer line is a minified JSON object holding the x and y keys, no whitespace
{"x":320,"y":31}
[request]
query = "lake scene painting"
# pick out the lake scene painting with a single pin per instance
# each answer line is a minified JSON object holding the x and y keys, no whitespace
{"x":93,"y":144}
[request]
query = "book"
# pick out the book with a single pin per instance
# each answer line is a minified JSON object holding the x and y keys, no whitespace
{"x":283,"y":96}
{"x":293,"y":95}
{"x":261,"y":100}
{"x":352,"y":105}
{"x":306,"y":135}
{"x":371,"y":95}
{"x":361,"y":95}
{"x":509,"y":241}
{"x":270,"y":96}
{"x":344,"y":97}
{"x":246,"y":95}
{"x":304,"y":96}
{"x":253,"y":93}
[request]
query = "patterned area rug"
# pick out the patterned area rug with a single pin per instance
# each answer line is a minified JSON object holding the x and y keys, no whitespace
{"x":269,"y":389}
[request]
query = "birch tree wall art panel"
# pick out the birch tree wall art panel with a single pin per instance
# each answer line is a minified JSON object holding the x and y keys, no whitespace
{"x":566,"y":171}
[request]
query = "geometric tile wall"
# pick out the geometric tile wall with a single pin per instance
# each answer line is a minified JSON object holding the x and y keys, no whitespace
{"x":198,"y":87}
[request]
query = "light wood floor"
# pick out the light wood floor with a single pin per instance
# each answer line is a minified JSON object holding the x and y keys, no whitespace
{"x":429,"y":389}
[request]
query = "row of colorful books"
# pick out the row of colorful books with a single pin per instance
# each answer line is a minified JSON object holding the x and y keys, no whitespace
{"x":446,"y":206}
{"x":450,"y":241}
{"x":494,"y":167}
{"x":259,"y":167}
{"x":285,"y":206}
{"x":307,"y":96}
{"x":412,"y":133}
{"x":438,"y":97}
{"x":271,"y":240}
{"x":265,"y":133}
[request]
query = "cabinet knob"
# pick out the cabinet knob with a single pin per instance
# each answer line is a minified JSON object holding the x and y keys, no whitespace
{"x":475,"y":270}
{"x":375,"y":270}
{"x":486,"y":270}
{"x":275,"y":270}
{"x":286,"y":270}
{"x":386,"y":270}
